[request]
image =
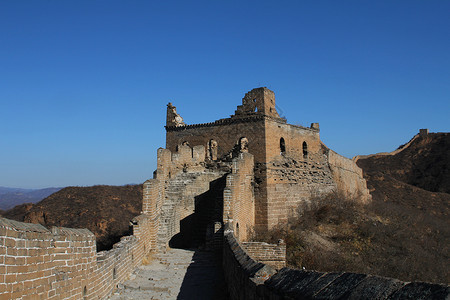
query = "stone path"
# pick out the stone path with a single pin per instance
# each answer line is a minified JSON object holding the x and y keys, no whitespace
{"x":177,"y":274}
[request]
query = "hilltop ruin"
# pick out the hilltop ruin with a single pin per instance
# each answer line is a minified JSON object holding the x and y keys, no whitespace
{"x":276,"y":167}
{"x":214,"y":182}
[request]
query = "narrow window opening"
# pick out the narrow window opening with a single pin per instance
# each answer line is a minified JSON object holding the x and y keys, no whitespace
{"x":282,"y":146}
{"x":305,"y":150}
{"x":85,"y":293}
{"x":237,"y":231}
{"x":114,"y":273}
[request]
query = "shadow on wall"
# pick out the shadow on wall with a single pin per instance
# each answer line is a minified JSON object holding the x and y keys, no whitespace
{"x":197,"y":229}
{"x":183,"y":239}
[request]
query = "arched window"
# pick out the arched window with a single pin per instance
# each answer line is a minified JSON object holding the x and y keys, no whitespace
{"x":305,"y":150}
{"x":282,"y":146}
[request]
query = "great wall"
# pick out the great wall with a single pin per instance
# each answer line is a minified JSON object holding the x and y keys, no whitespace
{"x":214,"y":183}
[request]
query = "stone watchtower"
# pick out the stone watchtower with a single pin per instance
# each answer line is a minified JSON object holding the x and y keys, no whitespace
{"x":291,"y":163}
{"x":260,"y":101}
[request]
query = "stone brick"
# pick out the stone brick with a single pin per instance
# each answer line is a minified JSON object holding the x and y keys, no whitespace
{"x":251,"y":169}
{"x":290,"y":160}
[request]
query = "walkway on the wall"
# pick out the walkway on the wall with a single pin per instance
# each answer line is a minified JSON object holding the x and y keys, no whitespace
{"x":177,"y":274}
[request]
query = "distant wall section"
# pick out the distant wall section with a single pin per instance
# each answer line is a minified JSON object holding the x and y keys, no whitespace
{"x":348,"y":177}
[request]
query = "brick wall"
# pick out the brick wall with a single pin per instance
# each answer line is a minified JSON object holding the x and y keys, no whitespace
{"x":225,"y":132}
{"x":62,"y":263}
{"x":239,"y":199}
{"x":181,"y":203}
{"x":294,"y":137}
{"x":348,"y":176}
{"x":244,"y":276}
{"x":292,"y":166}
{"x":172,"y":199}
{"x":273,"y":255}
{"x":296,"y":175}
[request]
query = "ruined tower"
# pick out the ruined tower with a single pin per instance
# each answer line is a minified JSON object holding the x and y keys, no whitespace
{"x":291,"y":164}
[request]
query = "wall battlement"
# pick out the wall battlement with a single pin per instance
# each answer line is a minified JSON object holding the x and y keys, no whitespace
{"x":63,"y":263}
{"x":291,"y":164}
{"x":213,"y":184}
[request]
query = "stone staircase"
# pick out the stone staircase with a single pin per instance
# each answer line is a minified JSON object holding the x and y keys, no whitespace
{"x":173,"y":194}
{"x":181,"y":195}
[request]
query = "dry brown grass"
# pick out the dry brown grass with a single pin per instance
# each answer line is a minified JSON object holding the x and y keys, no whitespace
{"x":339,"y":234}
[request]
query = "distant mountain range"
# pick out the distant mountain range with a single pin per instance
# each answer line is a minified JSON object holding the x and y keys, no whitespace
{"x":10,"y":197}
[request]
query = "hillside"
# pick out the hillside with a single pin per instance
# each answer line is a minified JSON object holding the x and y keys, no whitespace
{"x":403,"y":233}
{"x":10,"y":197}
{"x":425,"y":163}
{"x":104,"y":210}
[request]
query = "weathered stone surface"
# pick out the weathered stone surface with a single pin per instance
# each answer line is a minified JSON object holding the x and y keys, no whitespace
{"x":374,"y":287}
{"x":291,"y":163}
{"x":177,"y":274}
{"x":421,"y":291}
{"x":213,"y":183}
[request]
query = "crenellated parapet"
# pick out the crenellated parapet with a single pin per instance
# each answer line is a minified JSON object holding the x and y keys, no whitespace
{"x":63,"y":263}
{"x":291,"y":165}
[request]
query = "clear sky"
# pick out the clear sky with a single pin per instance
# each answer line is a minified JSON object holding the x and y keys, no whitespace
{"x":84,"y":84}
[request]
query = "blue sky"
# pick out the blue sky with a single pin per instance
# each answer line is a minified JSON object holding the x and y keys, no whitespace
{"x":84,"y":84}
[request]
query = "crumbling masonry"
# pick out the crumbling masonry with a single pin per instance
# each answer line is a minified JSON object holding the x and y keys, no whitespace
{"x":276,"y":166}
{"x":213,"y":183}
